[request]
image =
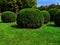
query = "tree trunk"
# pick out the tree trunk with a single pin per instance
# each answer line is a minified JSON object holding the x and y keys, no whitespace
{"x":16,"y":9}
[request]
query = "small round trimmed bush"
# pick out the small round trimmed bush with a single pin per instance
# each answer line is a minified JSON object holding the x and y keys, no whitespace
{"x":57,"y":18}
{"x":46,"y":16}
{"x":30,"y":18}
{"x":52,"y":13}
{"x":8,"y":16}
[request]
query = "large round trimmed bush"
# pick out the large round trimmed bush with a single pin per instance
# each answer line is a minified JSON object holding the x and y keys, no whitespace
{"x":52,"y":13}
{"x":30,"y":18}
{"x":46,"y":16}
{"x":8,"y":16}
{"x":57,"y":18}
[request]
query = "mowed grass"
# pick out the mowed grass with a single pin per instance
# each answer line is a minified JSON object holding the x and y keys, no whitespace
{"x":48,"y":34}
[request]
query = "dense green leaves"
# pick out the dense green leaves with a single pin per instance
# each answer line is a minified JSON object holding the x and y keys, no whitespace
{"x":52,"y":13}
{"x":57,"y":18}
{"x":8,"y":16}
{"x":16,"y":4}
{"x":30,"y":17}
{"x":46,"y":16}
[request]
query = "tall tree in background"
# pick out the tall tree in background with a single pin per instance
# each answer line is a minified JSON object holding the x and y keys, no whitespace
{"x":43,"y":8}
{"x":17,"y":4}
{"x":7,"y":4}
{"x":53,"y":6}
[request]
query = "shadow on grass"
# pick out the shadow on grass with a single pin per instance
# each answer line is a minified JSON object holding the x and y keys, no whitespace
{"x":6,"y":22}
{"x":53,"y":25}
{"x":18,"y":27}
{"x":1,"y":22}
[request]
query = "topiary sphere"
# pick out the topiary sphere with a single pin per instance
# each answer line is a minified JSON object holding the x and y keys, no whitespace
{"x":52,"y":13}
{"x":57,"y":18}
{"x":46,"y":16}
{"x":8,"y":16}
{"x":30,"y":18}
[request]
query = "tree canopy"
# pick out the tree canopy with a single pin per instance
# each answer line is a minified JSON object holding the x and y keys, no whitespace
{"x":21,"y":3}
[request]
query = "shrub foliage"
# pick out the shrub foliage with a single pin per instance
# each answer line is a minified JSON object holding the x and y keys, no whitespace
{"x":57,"y":18}
{"x":52,"y":13}
{"x":8,"y":16}
{"x":30,"y":18}
{"x":46,"y":16}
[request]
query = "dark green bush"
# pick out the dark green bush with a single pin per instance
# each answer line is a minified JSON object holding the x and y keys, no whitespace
{"x":57,"y":18}
{"x":46,"y":16}
{"x":30,"y":18}
{"x":8,"y":16}
{"x":52,"y":12}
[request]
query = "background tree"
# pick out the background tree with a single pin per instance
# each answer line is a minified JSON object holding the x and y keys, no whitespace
{"x":16,"y":4}
{"x":53,"y":6}
{"x":43,"y":8}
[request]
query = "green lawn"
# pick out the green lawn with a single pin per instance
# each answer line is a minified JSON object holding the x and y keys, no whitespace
{"x":46,"y":35}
